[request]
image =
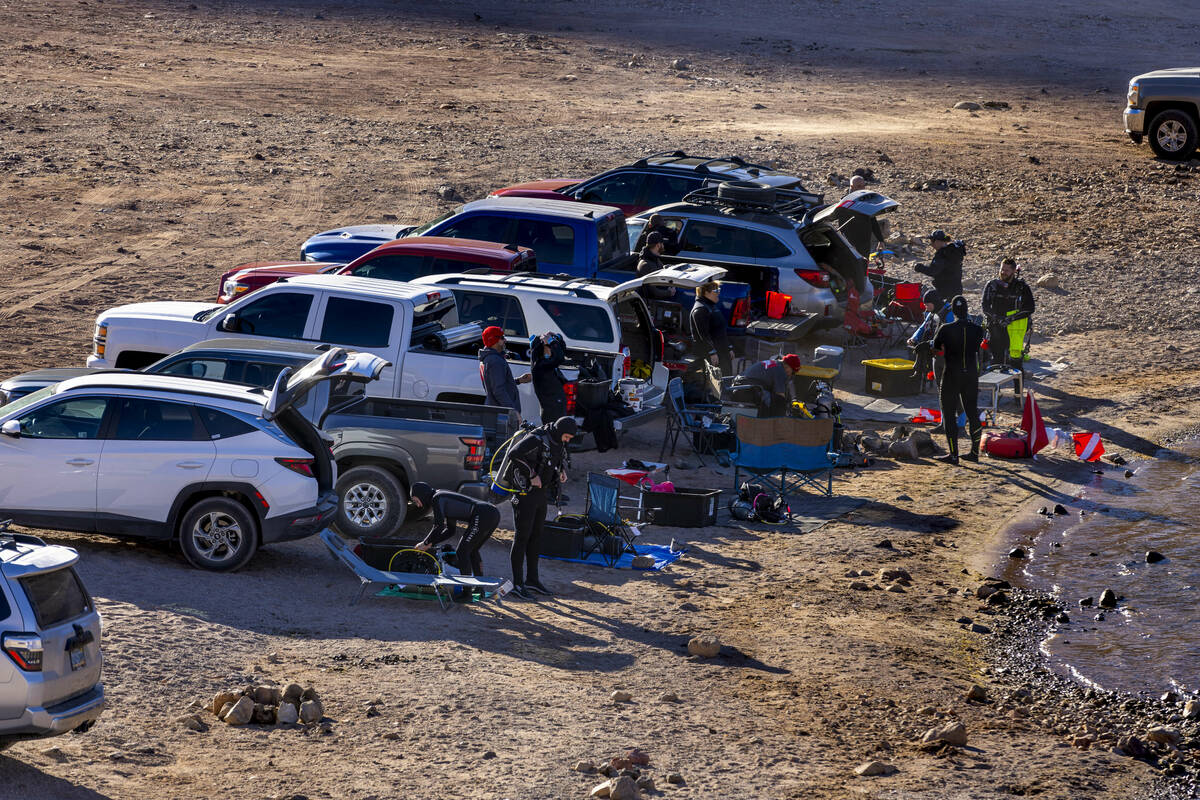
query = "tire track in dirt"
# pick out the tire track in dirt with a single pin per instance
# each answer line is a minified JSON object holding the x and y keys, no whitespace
{"x":60,"y":288}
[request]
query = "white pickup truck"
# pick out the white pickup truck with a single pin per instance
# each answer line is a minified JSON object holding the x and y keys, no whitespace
{"x":430,"y":340}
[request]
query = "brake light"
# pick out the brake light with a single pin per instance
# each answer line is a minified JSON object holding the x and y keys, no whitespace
{"x":475,"y":448}
{"x":301,"y":466}
{"x":662,"y":345}
{"x":815,"y":277}
{"x":739,"y":317}
{"x":570,"y":390}
{"x":25,"y":649}
{"x":432,"y":297}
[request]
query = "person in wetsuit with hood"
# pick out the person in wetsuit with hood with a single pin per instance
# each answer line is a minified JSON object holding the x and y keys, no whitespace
{"x":959,"y":343}
{"x":450,"y":508}
{"x":541,"y":456}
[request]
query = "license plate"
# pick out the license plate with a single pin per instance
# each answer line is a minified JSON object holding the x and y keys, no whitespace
{"x":78,"y":658}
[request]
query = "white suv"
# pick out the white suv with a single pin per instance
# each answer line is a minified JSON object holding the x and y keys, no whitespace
{"x":221,"y":468}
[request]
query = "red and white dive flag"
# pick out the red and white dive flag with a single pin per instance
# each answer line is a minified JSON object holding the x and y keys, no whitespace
{"x":1088,"y":446}
{"x":1032,"y":424}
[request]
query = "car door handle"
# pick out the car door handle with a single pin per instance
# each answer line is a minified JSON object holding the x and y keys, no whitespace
{"x":190,"y":464}
{"x":80,"y":462}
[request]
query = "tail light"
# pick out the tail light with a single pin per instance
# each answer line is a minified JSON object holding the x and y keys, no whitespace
{"x":570,"y":390}
{"x":740,"y":316}
{"x":25,"y":649}
{"x":301,"y":466}
{"x":816,"y":277}
{"x":475,"y":448}
{"x":662,"y":345}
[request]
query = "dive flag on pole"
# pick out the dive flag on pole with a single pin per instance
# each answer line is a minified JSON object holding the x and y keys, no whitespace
{"x":1088,"y":446}
{"x":1032,"y":424}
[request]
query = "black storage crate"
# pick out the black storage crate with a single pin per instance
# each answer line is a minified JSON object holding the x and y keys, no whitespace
{"x":563,"y":538}
{"x":377,"y":551}
{"x":683,"y":508}
{"x":891,"y":377}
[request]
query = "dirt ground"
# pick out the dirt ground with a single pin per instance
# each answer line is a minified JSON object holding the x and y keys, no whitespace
{"x":149,"y":146}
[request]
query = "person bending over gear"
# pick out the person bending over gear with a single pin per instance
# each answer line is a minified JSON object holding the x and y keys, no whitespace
{"x":541,"y":457}
{"x":499,"y":386}
{"x":449,"y":509}
{"x":945,"y":268}
{"x":1007,"y":305}
{"x":548,"y":352}
{"x":959,"y":342}
{"x":710,"y":339}
{"x":775,"y":379}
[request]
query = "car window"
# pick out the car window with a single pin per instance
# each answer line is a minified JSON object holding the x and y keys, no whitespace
{"x":716,"y":239}
{"x":212,"y":369}
{"x":221,"y":425}
{"x":663,"y":189}
{"x":56,"y":597}
{"x":484,"y":227}
{"x":27,"y":400}
{"x":443,"y":266}
{"x":255,"y":373}
{"x":622,"y":189}
{"x":486,"y":309}
{"x":767,"y":246}
{"x":143,"y":420}
{"x":614,"y":240}
{"x":551,"y":243}
{"x":577,"y":321}
{"x":393,"y":268}
{"x":357,"y":322}
{"x":75,"y":418}
{"x":282,"y":315}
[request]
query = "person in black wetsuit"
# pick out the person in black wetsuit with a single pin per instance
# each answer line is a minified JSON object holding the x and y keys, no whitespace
{"x":547,"y":352}
{"x":946,"y":266}
{"x":541,"y":455}
{"x":959,"y":343}
{"x":450,"y":508}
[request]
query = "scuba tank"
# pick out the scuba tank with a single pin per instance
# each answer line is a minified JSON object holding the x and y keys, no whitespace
{"x":506,"y":479}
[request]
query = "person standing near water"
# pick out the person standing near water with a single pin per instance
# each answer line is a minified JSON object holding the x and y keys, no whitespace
{"x":959,"y":343}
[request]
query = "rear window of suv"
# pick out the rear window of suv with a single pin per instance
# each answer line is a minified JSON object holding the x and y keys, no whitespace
{"x":56,"y":597}
{"x":577,"y":321}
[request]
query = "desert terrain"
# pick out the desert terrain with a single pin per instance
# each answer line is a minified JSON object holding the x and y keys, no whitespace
{"x":147,"y":147}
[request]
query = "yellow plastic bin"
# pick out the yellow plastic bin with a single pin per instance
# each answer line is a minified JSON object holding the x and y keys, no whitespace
{"x":891,"y":377}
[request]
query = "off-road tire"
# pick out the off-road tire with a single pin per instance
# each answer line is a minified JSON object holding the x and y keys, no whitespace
{"x":746,"y":192}
{"x":371,"y":502}
{"x":218,"y":534}
{"x":1173,"y":135}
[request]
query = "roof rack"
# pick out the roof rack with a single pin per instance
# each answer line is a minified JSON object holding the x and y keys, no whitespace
{"x":674,"y":154}
{"x":786,"y":201}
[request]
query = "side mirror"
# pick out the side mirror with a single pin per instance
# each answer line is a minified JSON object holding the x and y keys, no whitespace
{"x":11,"y":428}
{"x":230,"y":323}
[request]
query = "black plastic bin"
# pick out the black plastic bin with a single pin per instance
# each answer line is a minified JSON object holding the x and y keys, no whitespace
{"x":683,"y":508}
{"x":563,"y":538}
{"x":377,"y":551}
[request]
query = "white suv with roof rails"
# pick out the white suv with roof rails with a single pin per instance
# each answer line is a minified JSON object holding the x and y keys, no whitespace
{"x":50,"y":670}
{"x":220,"y":468}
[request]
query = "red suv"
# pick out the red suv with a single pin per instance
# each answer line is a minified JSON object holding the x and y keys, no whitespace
{"x":401,"y":260}
{"x":652,"y":181}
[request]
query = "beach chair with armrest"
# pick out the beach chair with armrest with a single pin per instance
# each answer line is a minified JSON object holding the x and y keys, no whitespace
{"x":683,"y":418}
{"x":609,"y":534}
{"x":444,"y":586}
{"x":786,"y":454}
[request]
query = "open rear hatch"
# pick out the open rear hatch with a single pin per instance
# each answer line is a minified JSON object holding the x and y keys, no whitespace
{"x":291,"y":387}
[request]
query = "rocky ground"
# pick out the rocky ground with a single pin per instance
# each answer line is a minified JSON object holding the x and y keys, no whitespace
{"x":149,"y":146}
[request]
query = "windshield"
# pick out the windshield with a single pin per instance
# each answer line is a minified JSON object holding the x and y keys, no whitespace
{"x":420,"y":230}
{"x":25,"y":402}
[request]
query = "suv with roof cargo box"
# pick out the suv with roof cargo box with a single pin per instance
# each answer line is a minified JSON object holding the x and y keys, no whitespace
{"x":655,"y":180}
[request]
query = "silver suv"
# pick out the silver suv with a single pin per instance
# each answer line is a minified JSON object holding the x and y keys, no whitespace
{"x":776,"y":240}
{"x":50,"y":670}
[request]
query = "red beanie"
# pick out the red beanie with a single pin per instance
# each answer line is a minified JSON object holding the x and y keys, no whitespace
{"x":491,"y":335}
{"x":793,"y":361}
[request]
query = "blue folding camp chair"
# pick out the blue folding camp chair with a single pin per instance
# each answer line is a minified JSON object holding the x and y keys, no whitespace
{"x":786,"y":454}
{"x":608,"y":534}
{"x":684,"y":419}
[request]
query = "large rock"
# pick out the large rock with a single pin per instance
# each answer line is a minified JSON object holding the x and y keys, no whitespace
{"x":1048,"y":281}
{"x":952,"y":733}
{"x":1133,"y":747}
{"x":601,"y":789}
{"x":267,"y":695}
{"x":704,"y":646}
{"x":888,"y":575}
{"x":1191,"y":709}
{"x":240,"y":713}
{"x":873,"y":768}
{"x":621,"y":696}
{"x":311,"y":711}
{"x":221,"y":699}
{"x":623,"y":788}
{"x":263,"y":715}
{"x":967,"y":105}
{"x":1108,"y":599}
{"x":293,"y":692}
{"x":1163,"y":735}
{"x":287,"y":714}
{"x":191,"y":722}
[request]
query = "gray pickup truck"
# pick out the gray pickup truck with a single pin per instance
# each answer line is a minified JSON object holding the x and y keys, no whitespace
{"x":381,"y":446}
{"x":1164,"y":105}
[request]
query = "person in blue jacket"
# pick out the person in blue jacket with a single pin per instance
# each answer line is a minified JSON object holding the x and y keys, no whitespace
{"x":499,"y":385}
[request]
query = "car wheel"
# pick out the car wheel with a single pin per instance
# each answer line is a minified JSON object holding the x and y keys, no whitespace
{"x":218,"y":534}
{"x":371,"y":502}
{"x":746,"y":192}
{"x":1173,"y":135}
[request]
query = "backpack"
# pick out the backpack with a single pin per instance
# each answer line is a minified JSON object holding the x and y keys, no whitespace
{"x":755,"y":502}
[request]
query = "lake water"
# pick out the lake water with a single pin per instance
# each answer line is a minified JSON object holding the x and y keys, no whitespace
{"x":1151,"y":642}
